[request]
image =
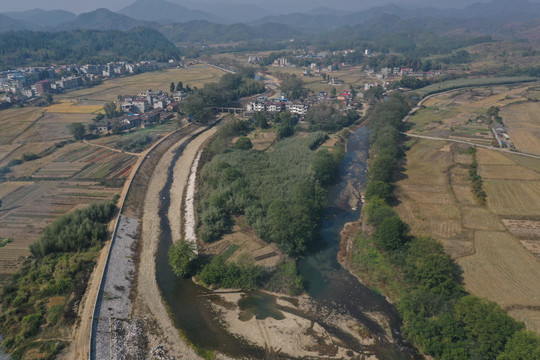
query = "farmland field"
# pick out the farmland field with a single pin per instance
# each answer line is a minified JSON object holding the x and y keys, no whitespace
{"x":196,"y":75}
{"x":30,"y":206}
{"x":462,"y":115}
{"x":70,"y":107}
{"x":72,"y":174}
{"x":15,"y":121}
{"x":497,"y":245}
{"x":523,"y":123}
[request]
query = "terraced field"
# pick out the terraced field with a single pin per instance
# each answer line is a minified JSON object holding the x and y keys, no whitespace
{"x":497,"y":244}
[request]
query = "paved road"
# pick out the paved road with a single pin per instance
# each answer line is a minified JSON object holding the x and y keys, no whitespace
{"x":472,"y":144}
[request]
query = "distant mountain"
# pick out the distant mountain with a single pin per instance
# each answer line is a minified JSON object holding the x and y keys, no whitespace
{"x":326,"y":11}
{"x":103,"y":19}
{"x":42,"y":18}
{"x":204,"y":31}
{"x":502,"y":11}
{"x":238,"y":13}
{"x":166,"y":12}
{"x":9,"y":24}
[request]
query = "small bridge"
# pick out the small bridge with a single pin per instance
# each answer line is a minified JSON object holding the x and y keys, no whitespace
{"x":230,"y":110}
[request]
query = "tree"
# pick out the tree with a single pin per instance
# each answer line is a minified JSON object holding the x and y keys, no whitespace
{"x":293,"y":86}
{"x":182,"y":257}
{"x":333,"y":92}
{"x":378,"y":188}
{"x":260,"y":120}
{"x":326,"y":167}
{"x":172,"y":87}
{"x":77,"y":130}
{"x":243,"y":143}
{"x":110,"y":110}
{"x":116,"y":128}
{"x":180,"y":86}
{"x":383,"y":168}
{"x":390,"y":234}
{"x":91,"y":128}
{"x":522,"y":346}
{"x":99,"y":117}
{"x":49,"y":99}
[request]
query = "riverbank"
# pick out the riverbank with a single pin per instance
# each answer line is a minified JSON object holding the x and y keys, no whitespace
{"x":148,"y":302}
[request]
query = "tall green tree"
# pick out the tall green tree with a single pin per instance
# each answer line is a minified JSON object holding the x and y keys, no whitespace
{"x":390,"y":234}
{"x":182,"y":257}
{"x":77,"y":130}
{"x":172,"y":87}
{"x":110,"y":110}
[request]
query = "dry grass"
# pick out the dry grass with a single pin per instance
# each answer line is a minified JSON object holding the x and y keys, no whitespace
{"x":526,"y":229}
{"x":15,"y":121}
{"x":250,"y":247}
{"x":510,"y":197}
{"x":262,"y":139}
{"x":509,"y":172}
{"x":523,"y":125}
{"x":502,"y":270}
{"x":68,"y":107}
{"x":480,"y":219}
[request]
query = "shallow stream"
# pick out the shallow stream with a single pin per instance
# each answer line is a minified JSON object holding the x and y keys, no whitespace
{"x":329,"y":285}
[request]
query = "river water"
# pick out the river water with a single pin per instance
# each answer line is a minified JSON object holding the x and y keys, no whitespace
{"x":328,"y":283}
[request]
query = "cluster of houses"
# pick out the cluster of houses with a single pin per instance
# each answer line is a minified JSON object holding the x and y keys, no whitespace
{"x":393,"y":72}
{"x":263,"y":104}
{"x":143,"y":110}
{"x":27,"y":83}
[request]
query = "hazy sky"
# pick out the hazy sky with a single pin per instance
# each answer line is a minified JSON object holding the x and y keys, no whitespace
{"x":79,"y":6}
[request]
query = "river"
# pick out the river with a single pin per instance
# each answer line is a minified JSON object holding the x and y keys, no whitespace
{"x":328,"y":283}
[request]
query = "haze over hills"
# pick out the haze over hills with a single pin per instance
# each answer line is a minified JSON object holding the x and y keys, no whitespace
{"x":175,"y":20}
{"x":166,"y":12}
{"x":10,"y":24}
{"x":39,"y":18}
{"x":104,"y":19}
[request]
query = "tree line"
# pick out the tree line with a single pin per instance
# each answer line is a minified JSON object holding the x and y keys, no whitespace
{"x":83,"y":46}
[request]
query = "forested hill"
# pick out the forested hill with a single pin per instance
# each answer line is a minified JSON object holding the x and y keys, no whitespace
{"x":83,"y":46}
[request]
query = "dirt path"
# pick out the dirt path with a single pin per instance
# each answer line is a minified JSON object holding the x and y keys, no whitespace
{"x":472,"y":144}
{"x":112,"y":149}
{"x":148,"y":301}
{"x":80,"y":346}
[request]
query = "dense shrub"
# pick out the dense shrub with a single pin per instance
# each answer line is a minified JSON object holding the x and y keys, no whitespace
{"x":243,"y":143}
{"x":182,"y":257}
{"x":391,"y":233}
{"x":230,"y":275}
{"x":74,"y":232}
